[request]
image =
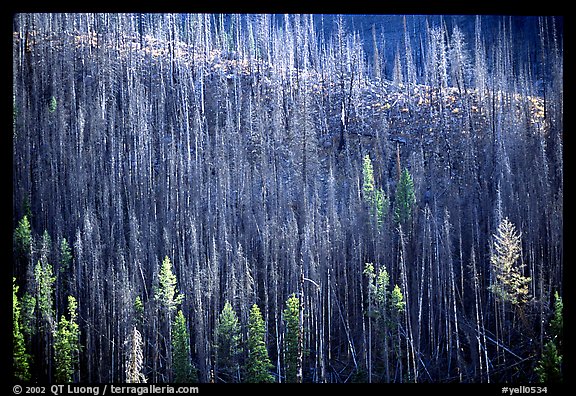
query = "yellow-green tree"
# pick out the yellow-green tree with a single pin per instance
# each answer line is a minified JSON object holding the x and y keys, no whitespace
{"x":292,"y":338}
{"x":509,"y":284}
{"x":374,"y":197}
{"x":386,"y":309}
{"x":67,"y":344}
{"x":23,"y":238}
{"x":21,"y":362}
{"x":44,"y":277}
{"x":166,"y":292}
{"x":168,"y":298}
{"x":258,"y":365}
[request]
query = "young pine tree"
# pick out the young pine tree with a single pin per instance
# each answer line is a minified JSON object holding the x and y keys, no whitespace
{"x":67,"y":344}
{"x":368,"y":180}
{"x":405,"y":198}
{"x":138,"y":311}
{"x":258,"y":365}
{"x":28,"y":316}
{"x":374,"y":197}
{"x":44,"y":278}
{"x":46,"y":322}
{"x":385,"y":308}
{"x":65,"y":255}
{"x":549,"y":368}
{"x":52,"y":104}
{"x":21,"y":364}
{"x":228,"y":345}
{"x":23,"y":238}
{"x":292,"y":338}
{"x":166,"y":292}
{"x":181,"y":360}
{"x":557,"y":322}
{"x":168,"y":298}
{"x":509,"y":283}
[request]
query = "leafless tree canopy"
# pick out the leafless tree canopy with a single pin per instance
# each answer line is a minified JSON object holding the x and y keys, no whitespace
{"x":234,"y":147}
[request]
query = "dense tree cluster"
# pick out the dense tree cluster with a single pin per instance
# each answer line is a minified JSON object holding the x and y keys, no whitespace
{"x":255,"y":198}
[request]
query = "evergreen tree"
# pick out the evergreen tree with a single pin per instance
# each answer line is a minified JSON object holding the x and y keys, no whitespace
{"x":228,"y":345}
{"x":64,"y":281}
{"x":405,"y":198}
{"x":135,"y":361}
{"x":168,"y":298}
{"x":368,"y":180}
{"x":45,"y":246}
{"x":292,"y":338}
{"x":65,"y":255}
{"x":23,"y":238}
{"x":28,"y":315}
{"x":386,"y":307}
{"x":381,"y":203}
{"x":509,"y":284}
{"x":181,"y":363}
{"x":557,"y":322}
{"x":138,"y":311}
{"x":166,"y":292}
{"x":44,"y":277}
{"x":549,"y":368}
{"x":397,"y":300}
{"x":21,"y":364}
{"x":258,"y":365}
{"x":374,"y":197}
{"x":67,"y":344}
{"x":52,"y":104}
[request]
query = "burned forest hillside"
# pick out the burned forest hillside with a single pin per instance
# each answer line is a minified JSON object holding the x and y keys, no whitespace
{"x":259,"y":198}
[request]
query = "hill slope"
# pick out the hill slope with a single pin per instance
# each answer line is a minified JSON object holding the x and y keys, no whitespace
{"x":239,"y":155}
